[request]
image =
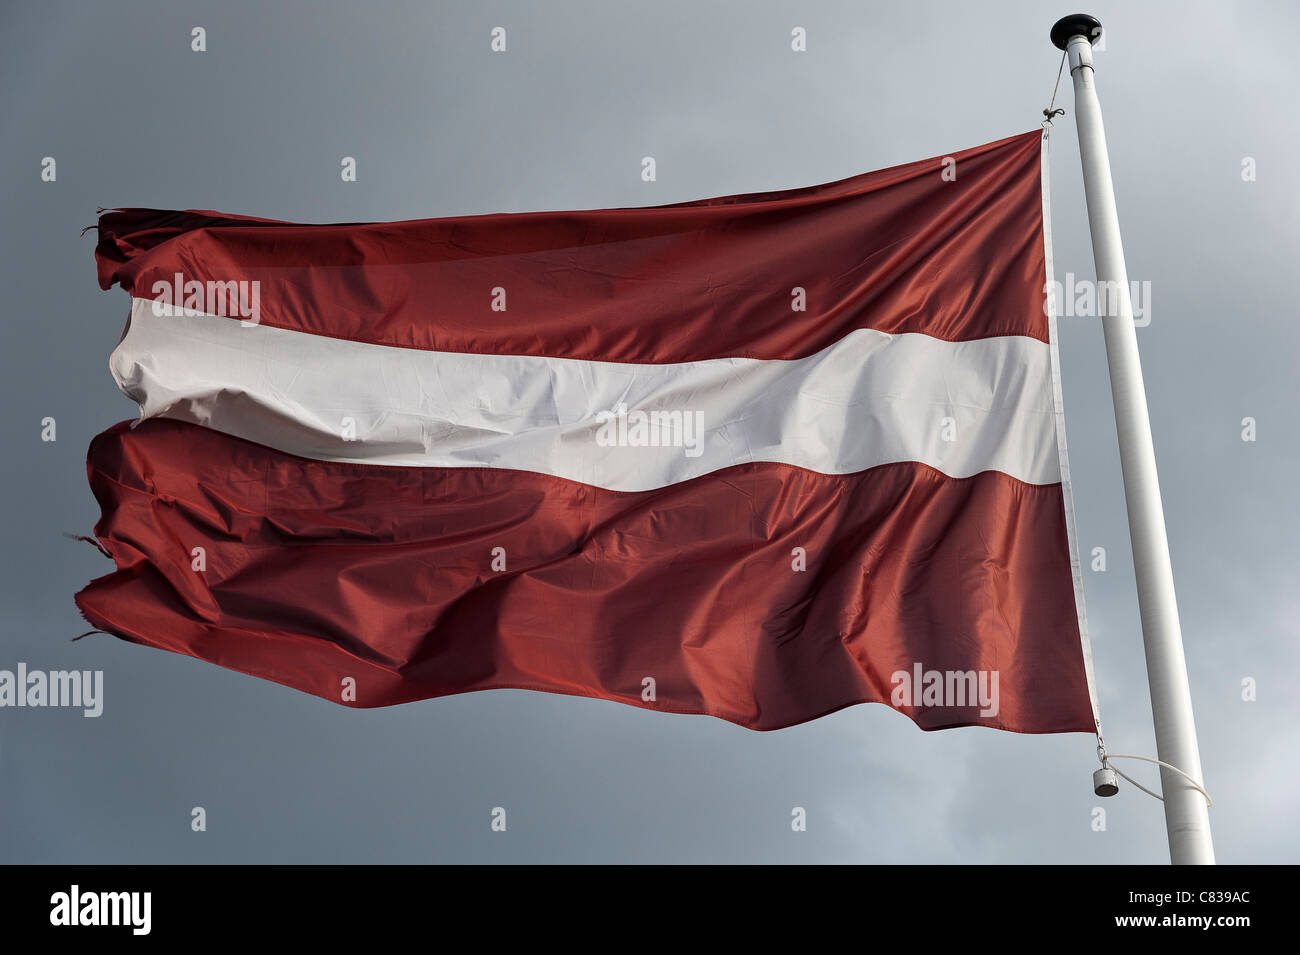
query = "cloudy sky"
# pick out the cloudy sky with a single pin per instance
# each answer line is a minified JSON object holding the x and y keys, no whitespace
{"x":441,"y":126}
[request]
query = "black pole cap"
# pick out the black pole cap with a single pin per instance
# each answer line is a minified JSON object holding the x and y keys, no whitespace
{"x":1076,"y":24}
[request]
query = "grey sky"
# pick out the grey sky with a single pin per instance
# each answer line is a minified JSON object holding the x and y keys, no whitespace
{"x":441,"y":126}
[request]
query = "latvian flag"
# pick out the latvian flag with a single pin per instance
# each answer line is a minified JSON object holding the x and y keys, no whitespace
{"x":760,"y":457}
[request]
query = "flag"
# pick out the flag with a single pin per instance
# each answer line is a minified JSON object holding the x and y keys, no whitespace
{"x":760,"y":457}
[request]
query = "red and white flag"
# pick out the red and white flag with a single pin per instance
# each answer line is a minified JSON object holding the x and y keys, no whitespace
{"x":761,"y":457}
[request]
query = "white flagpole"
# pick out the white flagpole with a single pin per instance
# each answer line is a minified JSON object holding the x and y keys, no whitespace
{"x":1186,"y":818}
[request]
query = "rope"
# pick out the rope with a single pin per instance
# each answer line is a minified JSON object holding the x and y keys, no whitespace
{"x":1050,"y":112}
{"x":1107,"y":757}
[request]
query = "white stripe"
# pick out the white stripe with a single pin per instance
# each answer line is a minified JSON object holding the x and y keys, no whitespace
{"x":869,"y":399}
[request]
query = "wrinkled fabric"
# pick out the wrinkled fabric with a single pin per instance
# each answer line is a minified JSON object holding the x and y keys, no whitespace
{"x":758,"y":591}
{"x":319,"y":571}
{"x":899,"y":250}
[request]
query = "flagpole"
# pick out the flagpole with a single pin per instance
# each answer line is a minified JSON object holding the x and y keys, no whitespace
{"x":1186,"y":818}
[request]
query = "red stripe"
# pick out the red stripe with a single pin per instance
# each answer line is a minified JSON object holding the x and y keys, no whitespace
{"x":898,"y":250}
{"x":317,"y":571}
